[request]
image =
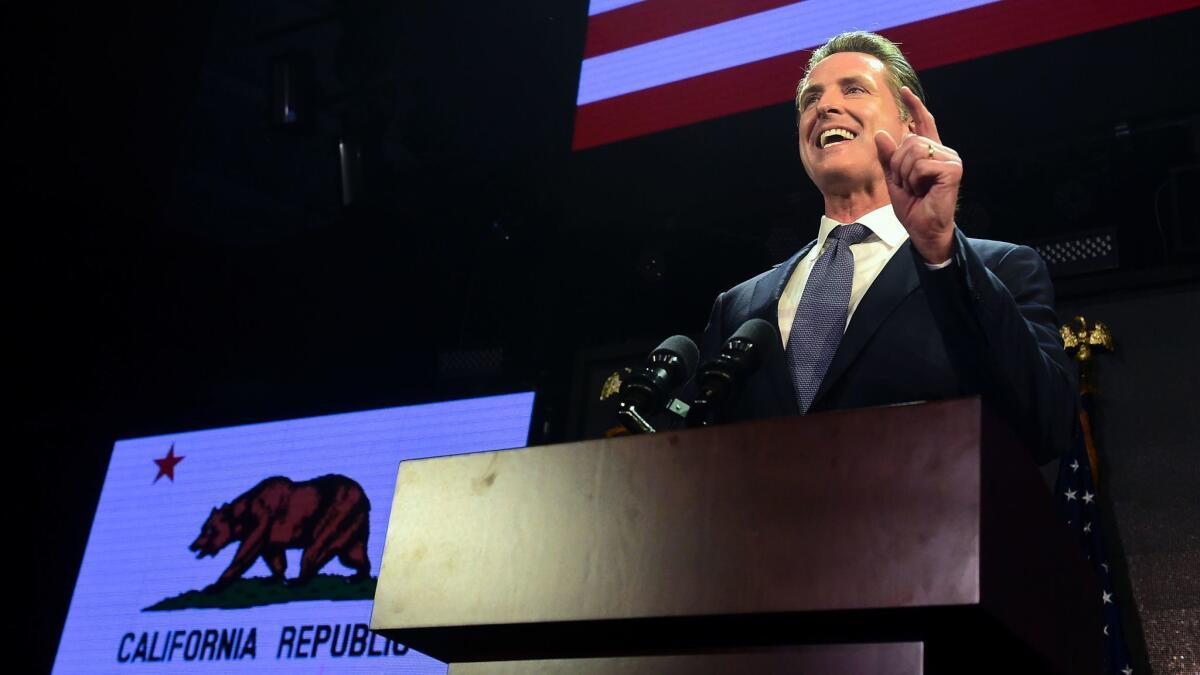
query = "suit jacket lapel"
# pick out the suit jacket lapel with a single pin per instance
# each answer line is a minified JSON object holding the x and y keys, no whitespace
{"x":765,"y":305}
{"x":895,"y":282}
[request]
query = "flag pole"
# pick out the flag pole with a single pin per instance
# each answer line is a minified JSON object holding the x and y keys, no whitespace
{"x":1083,"y":342}
{"x":1077,"y":490}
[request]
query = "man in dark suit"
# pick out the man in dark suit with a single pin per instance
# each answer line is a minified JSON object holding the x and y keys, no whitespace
{"x":892,"y":303}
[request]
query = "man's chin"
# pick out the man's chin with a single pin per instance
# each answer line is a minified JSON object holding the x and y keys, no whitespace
{"x":842,"y":170}
{"x":837,"y":179}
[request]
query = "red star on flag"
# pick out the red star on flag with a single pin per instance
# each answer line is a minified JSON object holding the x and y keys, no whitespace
{"x":166,"y":465}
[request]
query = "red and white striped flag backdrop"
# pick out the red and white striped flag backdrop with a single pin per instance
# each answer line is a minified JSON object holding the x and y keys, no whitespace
{"x":651,"y":65}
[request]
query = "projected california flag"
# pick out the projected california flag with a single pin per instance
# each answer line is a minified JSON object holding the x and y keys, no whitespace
{"x":258,"y":547}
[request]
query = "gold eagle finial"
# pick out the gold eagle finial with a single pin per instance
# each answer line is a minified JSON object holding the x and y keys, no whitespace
{"x":1080,"y":339}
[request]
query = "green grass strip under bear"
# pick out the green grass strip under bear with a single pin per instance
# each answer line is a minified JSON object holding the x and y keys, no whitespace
{"x":259,"y":591}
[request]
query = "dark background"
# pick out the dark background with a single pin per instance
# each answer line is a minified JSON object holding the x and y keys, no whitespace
{"x":180,"y":263}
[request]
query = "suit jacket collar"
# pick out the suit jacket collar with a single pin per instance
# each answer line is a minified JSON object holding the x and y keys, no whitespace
{"x":895,"y":282}
{"x":765,"y":301}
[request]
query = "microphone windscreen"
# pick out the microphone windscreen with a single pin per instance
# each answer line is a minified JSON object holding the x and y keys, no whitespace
{"x":683,"y":347}
{"x":758,"y":332}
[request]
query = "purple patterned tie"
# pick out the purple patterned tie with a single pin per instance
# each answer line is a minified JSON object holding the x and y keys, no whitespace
{"x":821,"y":315}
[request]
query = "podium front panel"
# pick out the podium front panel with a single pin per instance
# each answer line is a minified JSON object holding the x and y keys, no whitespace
{"x":764,"y":517}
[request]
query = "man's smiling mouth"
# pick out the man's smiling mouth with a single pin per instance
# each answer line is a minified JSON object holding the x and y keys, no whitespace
{"x":834,"y":136}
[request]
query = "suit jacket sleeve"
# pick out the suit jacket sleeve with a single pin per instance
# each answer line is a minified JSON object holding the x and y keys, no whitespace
{"x":1007,"y":306}
{"x":714,"y":331}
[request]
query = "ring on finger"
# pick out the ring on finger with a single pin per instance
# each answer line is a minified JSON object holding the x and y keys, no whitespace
{"x":930,"y":150}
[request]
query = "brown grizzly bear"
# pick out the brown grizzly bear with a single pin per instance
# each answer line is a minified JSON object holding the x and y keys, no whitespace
{"x":325,"y":516}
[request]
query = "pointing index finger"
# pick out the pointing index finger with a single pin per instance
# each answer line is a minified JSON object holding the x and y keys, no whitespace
{"x":922,"y":118}
{"x":886,"y":146}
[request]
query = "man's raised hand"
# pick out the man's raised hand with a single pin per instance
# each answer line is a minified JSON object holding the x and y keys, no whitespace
{"x":922,"y":179}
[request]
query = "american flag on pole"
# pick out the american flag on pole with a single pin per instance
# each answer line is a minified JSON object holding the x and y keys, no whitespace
{"x":1076,"y":492}
{"x":650,"y":65}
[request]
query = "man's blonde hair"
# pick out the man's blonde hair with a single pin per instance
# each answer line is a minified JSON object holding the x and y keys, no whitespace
{"x":900,"y":72}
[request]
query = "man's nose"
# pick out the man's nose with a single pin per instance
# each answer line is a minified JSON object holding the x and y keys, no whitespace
{"x":826,"y":108}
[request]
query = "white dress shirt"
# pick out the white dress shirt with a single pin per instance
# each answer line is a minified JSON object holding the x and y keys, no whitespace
{"x":870,"y":257}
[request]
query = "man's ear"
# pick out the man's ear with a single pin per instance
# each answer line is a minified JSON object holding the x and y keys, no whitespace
{"x":911,"y":124}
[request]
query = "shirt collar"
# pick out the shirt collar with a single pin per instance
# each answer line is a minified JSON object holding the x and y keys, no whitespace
{"x":882,"y":222}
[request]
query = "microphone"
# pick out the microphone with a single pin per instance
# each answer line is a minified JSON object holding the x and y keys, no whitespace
{"x":646,"y":391}
{"x":741,"y":355}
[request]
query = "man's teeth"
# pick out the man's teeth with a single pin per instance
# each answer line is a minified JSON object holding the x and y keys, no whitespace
{"x":837,"y":136}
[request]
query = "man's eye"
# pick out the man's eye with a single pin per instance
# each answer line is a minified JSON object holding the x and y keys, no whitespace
{"x":855,"y":88}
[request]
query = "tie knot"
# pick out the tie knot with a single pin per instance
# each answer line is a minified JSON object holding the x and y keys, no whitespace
{"x":850,"y":234}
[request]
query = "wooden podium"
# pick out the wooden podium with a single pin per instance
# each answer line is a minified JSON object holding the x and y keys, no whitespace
{"x":904,"y":539}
